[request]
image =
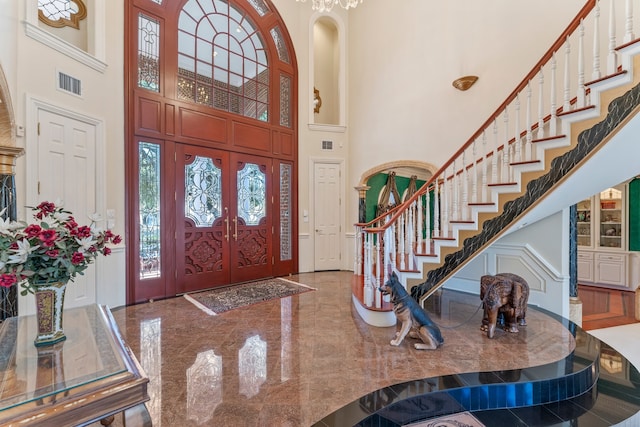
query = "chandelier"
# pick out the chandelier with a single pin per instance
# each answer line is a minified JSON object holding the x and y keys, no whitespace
{"x":327,"y":5}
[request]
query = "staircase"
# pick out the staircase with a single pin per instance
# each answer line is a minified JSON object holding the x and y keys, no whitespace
{"x":524,"y":163}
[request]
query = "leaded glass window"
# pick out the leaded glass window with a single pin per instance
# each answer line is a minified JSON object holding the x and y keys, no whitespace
{"x":149,"y":209}
{"x":260,"y":6}
{"x":285,"y":212}
{"x":285,"y":101}
{"x":62,"y":13}
{"x":283,"y":52}
{"x":203,"y":192}
{"x":148,"y":53}
{"x":222,"y":59}
{"x":252,"y":194}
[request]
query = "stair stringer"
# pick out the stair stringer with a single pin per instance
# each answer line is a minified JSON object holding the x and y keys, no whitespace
{"x":563,"y":163}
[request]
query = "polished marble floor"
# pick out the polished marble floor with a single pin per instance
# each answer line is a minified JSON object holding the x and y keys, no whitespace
{"x":604,"y":307}
{"x":293,"y":361}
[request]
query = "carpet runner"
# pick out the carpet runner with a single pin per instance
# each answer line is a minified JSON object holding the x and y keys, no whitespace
{"x":216,"y":301}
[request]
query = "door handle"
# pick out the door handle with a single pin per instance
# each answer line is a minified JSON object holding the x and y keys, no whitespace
{"x":235,"y":235}
{"x":226,"y":221}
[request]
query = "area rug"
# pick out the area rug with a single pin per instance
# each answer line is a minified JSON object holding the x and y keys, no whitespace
{"x":462,"y":419}
{"x":218,"y":301}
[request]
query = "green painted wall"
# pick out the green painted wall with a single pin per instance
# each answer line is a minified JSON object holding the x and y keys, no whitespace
{"x":376,"y":183}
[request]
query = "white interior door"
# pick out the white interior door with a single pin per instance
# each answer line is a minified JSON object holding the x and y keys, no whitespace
{"x":327,"y":215}
{"x":67,"y":172}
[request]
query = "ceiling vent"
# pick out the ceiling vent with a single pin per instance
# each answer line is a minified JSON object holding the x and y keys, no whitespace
{"x":69,"y":84}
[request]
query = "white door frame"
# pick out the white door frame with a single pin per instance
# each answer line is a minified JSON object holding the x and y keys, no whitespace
{"x":33,"y":108}
{"x":312,"y":163}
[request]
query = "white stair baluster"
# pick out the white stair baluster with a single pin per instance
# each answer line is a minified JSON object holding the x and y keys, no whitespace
{"x":427,"y":221}
{"x":420,"y":225}
{"x":411,"y":235}
{"x":581,"y":89}
{"x":595,"y":75}
{"x":401,"y":240}
{"x":393,"y":250}
{"x":436,"y":208}
{"x":566,"y":106}
{"x":553,"y":121}
{"x":357,"y":263}
{"x":540,"y":130}
{"x":628,"y":34}
{"x":444,"y":221}
{"x":378,"y":296}
{"x":455,"y":192}
{"x":517,"y":141}
{"x":494,"y":159}
{"x":612,"y":58}
{"x":528,"y":137}
{"x":368,"y":263}
{"x":465,"y":187}
{"x":474,"y":171}
{"x":483,"y":187}
{"x":504,"y":176}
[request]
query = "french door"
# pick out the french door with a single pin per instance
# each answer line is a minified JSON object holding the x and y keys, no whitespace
{"x":224,"y":224}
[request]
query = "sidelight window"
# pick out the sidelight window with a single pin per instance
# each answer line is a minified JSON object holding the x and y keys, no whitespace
{"x":148,"y":53}
{"x":149,"y":209}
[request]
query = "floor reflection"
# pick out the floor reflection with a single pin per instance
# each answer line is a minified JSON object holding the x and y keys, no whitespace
{"x":293,"y":361}
{"x":204,"y":384}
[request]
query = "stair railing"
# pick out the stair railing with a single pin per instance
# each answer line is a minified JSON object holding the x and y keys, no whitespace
{"x":508,"y":143}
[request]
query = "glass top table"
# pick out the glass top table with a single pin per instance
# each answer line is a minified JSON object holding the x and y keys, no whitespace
{"x":88,"y":377}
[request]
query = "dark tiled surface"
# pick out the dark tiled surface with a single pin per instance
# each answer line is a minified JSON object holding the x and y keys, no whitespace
{"x":296,"y":361}
{"x":573,"y":391}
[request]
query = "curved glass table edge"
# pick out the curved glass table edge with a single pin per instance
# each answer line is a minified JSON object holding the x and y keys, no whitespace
{"x":108,"y":345}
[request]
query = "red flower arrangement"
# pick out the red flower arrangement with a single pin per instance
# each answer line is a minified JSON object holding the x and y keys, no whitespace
{"x":54,"y":249}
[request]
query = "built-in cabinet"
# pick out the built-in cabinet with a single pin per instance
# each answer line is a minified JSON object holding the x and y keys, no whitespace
{"x":603,"y":250}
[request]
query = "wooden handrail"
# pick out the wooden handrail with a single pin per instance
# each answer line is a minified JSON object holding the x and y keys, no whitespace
{"x":573,"y":25}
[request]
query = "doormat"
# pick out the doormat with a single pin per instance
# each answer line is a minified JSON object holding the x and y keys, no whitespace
{"x":461,"y":419}
{"x":218,"y":301}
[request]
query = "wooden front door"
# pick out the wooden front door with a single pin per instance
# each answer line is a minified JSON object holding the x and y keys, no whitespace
{"x":223,"y":218}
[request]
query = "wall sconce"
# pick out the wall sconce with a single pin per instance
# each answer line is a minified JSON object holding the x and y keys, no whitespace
{"x":464,"y":83}
{"x":317,"y":101}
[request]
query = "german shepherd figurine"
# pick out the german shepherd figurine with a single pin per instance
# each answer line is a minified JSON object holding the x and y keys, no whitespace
{"x":415,"y":321}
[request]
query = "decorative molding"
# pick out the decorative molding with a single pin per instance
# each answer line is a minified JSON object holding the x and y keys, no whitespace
{"x":328,"y":128}
{"x":63,"y":47}
{"x":8,"y":156}
{"x":397,"y":164}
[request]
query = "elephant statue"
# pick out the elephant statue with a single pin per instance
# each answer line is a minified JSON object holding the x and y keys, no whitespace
{"x":503,"y":295}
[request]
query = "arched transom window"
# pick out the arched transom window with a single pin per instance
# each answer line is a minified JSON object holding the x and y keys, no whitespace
{"x":222,"y":59}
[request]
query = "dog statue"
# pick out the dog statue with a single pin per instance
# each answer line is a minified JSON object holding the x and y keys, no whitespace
{"x":415,"y":321}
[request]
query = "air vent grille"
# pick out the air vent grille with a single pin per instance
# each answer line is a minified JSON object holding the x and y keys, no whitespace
{"x":69,"y":84}
{"x":327,"y":145}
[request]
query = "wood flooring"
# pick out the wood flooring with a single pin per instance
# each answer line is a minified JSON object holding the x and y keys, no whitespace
{"x":604,"y":307}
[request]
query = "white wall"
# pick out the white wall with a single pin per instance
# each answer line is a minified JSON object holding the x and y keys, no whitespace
{"x":539,"y":253}
{"x":403,"y":60}
{"x":102,"y":99}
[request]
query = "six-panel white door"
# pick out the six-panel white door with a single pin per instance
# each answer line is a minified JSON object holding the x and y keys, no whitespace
{"x":67,"y":171}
